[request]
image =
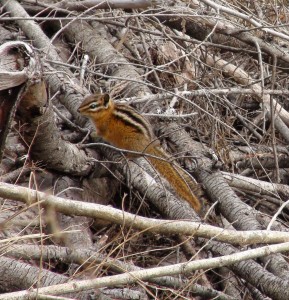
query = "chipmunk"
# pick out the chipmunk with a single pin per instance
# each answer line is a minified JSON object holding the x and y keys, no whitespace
{"x":123,"y":127}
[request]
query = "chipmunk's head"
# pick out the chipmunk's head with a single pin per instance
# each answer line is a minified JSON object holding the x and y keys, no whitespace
{"x":95,"y":104}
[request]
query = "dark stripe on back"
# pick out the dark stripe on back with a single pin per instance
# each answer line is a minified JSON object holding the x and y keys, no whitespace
{"x":133,"y":114}
{"x":128,"y":123}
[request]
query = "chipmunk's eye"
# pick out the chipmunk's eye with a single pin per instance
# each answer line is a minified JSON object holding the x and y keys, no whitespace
{"x":92,"y":105}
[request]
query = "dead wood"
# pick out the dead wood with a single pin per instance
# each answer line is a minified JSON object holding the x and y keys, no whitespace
{"x":211,"y":77}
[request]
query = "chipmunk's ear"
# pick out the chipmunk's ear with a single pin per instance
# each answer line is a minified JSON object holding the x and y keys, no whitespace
{"x":106,"y":99}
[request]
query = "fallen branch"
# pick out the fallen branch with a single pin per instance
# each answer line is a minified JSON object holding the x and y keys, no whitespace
{"x":120,"y":217}
{"x":135,"y":276}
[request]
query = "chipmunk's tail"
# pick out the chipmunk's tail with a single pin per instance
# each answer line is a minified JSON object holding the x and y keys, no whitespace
{"x":183,"y":184}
